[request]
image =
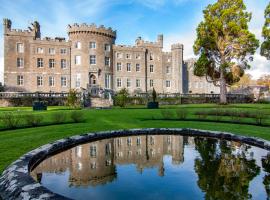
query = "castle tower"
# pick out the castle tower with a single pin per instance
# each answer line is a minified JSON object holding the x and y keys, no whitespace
{"x":160,"y":40}
{"x":177,"y":67}
{"x":91,"y":56}
{"x":6,"y":25}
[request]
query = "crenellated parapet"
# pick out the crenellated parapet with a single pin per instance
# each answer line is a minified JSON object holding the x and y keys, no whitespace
{"x":128,"y":48}
{"x":91,"y":29}
{"x":158,"y":44}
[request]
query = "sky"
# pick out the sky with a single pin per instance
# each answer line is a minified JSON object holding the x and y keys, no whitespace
{"x":175,"y":19}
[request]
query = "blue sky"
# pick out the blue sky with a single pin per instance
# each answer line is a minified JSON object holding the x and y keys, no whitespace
{"x":176,"y":19}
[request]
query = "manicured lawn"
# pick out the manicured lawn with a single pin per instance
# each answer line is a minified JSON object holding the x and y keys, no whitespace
{"x":14,"y":143}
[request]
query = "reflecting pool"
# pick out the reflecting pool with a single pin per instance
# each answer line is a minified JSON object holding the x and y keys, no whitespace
{"x":158,"y":167}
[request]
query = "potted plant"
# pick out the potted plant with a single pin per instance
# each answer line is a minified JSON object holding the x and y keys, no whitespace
{"x":153,"y":104}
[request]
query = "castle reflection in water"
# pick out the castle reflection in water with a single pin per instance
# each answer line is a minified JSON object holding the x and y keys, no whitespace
{"x":95,"y":163}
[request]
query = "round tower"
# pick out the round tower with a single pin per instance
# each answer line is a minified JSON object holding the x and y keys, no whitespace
{"x":91,"y":56}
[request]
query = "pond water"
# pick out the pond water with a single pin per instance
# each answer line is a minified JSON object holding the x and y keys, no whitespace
{"x":158,"y":167}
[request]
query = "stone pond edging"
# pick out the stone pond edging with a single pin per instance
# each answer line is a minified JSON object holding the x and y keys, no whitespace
{"x":16,"y":182}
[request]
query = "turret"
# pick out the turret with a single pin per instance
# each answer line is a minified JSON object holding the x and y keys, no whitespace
{"x":177,"y":66}
{"x":160,"y":40}
{"x":7,"y":25}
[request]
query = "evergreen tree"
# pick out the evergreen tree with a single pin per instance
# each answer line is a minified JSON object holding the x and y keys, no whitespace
{"x":265,"y":47}
{"x":224,"y":44}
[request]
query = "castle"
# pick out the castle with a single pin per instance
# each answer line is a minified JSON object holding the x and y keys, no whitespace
{"x":91,"y":59}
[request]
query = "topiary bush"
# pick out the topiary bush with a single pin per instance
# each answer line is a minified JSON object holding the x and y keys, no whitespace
{"x":11,"y":120}
{"x":121,"y":98}
{"x":181,"y":113}
{"x":59,"y":117}
{"x":167,"y":114}
{"x":77,"y":116}
{"x":33,"y":120}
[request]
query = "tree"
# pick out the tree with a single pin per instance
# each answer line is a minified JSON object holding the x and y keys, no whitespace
{"x":121,"y":98}
{"x":264,"y":80}
{"x":265,"y":47}
{"x":72,"y":99}
{"x":245,"y":80}
{"x":154,"y":95}
{"x":224,"y":44}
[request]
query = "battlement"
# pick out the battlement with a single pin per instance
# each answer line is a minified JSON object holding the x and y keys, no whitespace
{"x":53,"y":40}
{"x":158,"y":44}
{"x":128,"y":48}
{"x":177,"y":46}
{"x":92,"y":28}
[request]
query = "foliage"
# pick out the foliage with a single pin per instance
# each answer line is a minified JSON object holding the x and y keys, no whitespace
{"x":33,"y":120}
{"x":222,"y":174}
{"x":245,"y":80}
{"x":167,"y":114}
{"x":59,"y":117}
{"x":154,"y":95}
{"x":181,"y":113}
{"x":77,"y":116}
{"x":224,"y":44}
{"x":72,"y":100}
{"x":121,"y":98}
{"x":265,"y":47}
{"x":264,"y":80}
{"x":11,"y":120}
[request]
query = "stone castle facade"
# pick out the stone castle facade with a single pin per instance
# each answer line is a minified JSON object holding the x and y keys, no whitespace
{"x":91,"y":59}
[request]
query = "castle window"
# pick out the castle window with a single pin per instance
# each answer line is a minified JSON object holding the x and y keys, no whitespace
{"x":119,"y":66}
{"x":107,"y":61}
{"x":78,"y":151}
{"x":108,"y":162}
{"x":168,"y":70}
{"x":129,"y":141}
{"x":152,"y":140}
{"x":128,"y":67}
{"x":151,"y":83}
{"x":168,"y":83}
{"x":138,"y":68}
{"x":40,"y":50}
{"x":63,"y":63}
{"x":107,"y":47}
{"x":20,"y":80}
{"x":119,"y":142}
{"x":63,"y":51}
{"x":78,"y":45}
{"x":51,"y":51}
{"x":20,"y":48}
{"x":138,"y":56}
{"x":128,"y":56}
{"x":93,"y":165}
{"x":108,"y":149}
{"x":93,"y":151}
{"x":77,"y":60}
{"x":39,"y":81}
{"x":40,"y":62}
{"x":92,"y":59}
{"x":63,"y":81}
{"x":19,"y":62}
{"x":138,"y":83}
{"x":151,"y":68}
{"x":92,"y":45}
{"x":51,"y":81}
{"x":128,"y":83}
{"x":151,"y":56}
{"x":78,"y":80}
{"x":107,"y":81}
{"x":119,"y":82}
{"x":119,"y":55}
{"x":138,"y":141}
{"x":51,"y":63}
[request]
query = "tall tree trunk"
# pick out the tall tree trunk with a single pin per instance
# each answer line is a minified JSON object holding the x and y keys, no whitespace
{"x":223,"y":88}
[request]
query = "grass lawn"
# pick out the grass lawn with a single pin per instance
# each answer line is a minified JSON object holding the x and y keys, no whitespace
{"x":14,"y":143}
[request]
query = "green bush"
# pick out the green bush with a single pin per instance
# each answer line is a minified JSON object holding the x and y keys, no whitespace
{"x":77,"y":116}
{"x":121,"y":98}
{"x":59,"y":117}
{"x":259,"y":117}
{"x":11,"y":120}
{"x":167,"y":114}
{"x":181,"y":113}
{"x":201,"y":114}
{"x":33,"y":120}
{"x":72,"y":100}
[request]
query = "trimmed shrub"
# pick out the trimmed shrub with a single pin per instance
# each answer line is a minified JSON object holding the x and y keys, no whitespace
{"x":33,"y":120}
{"x":201,"y":114}
{"x":59,"y":117}
{"x":167,"y":114}
{"x":259,"y":117}
{"x":77,"y":116}
{"x":72,"y":100}
{"x":121,"y":98}
{"x":235,"y":116}
{"x":181,"y":113}
{"x":11,"y":120}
